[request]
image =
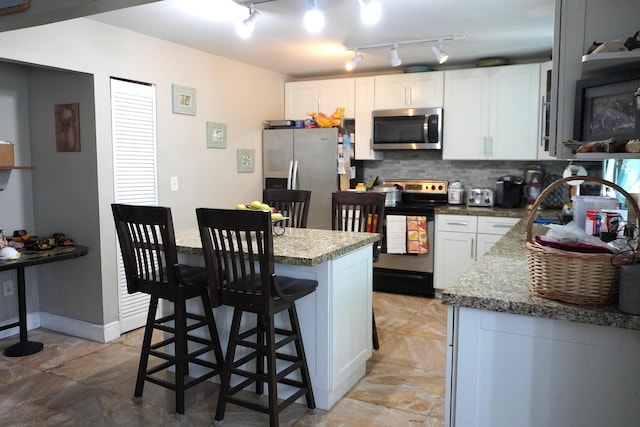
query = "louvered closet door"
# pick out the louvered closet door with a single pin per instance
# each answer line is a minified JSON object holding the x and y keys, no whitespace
{"x":133,"y":118}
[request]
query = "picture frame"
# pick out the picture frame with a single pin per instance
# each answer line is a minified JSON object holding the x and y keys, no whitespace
{"x":216,"y":135}
{"x":607,"y":107}
{"x":67,"y":122}
{"x":183,"y":100}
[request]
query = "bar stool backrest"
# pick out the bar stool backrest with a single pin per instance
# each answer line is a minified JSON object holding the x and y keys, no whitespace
{"x":293,"y":204}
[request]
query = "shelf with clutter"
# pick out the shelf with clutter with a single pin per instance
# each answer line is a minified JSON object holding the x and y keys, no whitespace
{"x":7,"y":163}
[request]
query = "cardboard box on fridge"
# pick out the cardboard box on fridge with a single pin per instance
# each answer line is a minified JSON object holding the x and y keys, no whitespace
{"x":6,"y":155}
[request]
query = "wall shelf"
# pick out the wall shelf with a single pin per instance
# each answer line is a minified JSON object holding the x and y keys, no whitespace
{"x":601,"y":61}
{"x":17,"y":167}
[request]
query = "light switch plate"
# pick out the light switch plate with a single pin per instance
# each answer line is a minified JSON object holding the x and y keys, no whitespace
{"x":246,"y":160}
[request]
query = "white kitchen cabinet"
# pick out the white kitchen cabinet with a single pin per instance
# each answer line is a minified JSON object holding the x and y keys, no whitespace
{"x":514,"y":370}
{"x":409,"y":90}
{"x":461,"y":240}
{"x":364,"y":105}
{"x":321,"y":96}
{"x":491,"y":113}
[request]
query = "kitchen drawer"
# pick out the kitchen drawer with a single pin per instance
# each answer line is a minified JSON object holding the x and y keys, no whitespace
{"x":495,"y":225}
{"x":459,"y":223}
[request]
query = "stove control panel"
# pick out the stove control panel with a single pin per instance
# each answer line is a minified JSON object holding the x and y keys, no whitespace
{"x":428,"y":186}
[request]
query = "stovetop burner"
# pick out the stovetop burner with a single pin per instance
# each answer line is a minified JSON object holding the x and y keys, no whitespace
{"x":420,"y":193}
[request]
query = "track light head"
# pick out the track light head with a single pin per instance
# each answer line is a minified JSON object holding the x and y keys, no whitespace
{"x":245,"y":27}
{"x":351,"y":65}
{"x":314,"y":18}
{"x":440,"y":55}
{"x":370,"y":11}
{"x":395,"y":58}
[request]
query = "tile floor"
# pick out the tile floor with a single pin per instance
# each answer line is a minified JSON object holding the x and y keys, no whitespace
{"x":74,"y":382}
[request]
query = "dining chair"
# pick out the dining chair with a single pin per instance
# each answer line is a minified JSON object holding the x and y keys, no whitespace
{"x":293,"y":204}
{"x":149,"y":255}
{"x":238,"y":252}
{"x":360,"y":212}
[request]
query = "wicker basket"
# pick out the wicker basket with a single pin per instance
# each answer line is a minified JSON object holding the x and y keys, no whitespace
{"x":574,"y":277}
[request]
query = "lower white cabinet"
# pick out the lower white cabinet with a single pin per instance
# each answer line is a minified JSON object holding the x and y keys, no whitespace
{"x":461,"y":240}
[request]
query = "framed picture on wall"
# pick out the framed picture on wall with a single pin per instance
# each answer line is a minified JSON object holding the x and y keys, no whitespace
{"x":67,"y":117}
{"x":184,"y":100}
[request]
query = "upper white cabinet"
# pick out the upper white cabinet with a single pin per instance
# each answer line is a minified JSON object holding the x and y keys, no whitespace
{"x":365,"y":92}
{"x":409,"y":90}
{"x":321,"y":96}
{"x":491,"y":113}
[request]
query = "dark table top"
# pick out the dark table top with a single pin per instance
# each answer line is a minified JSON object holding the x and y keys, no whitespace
{"x":30,"y":258}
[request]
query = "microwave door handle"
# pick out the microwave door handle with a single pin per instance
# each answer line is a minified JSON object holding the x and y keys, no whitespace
{"x":294,"y":180}
{"x":290,"y":175}
{"x":425,"y":129}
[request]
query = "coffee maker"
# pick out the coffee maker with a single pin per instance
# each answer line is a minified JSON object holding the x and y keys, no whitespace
{"x":533,"y":184}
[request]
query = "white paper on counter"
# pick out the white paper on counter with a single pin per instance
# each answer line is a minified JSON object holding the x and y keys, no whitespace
{"x":396,"y":234}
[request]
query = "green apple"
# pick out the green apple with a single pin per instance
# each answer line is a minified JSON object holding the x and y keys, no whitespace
{"x":256,"y":205}
{"x":241,"y":207}
{"x":265,"y":207}
{"x":276,"y":216}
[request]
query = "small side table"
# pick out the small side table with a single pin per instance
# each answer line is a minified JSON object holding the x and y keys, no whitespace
{"x":26,"y":347}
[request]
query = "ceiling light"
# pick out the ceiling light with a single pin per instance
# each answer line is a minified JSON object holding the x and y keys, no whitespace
{"x":314,"y":18}
{"x":351,"y":65}
{"x":395,"y":59}
{"x":440,"y":55}
{"x":246,"y":26}
{"x":370,"y":11}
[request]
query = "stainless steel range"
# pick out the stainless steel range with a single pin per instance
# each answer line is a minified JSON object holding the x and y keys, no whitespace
{"x":405,"y":264}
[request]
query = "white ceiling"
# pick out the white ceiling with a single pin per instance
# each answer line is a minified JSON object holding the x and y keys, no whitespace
{"x":518,"y":30}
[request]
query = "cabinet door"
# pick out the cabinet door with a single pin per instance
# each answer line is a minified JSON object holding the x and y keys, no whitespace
{"x":413,"y":90}
{"x":337,"y":93}
{"x":466,"y":109}
{"x":364,"y":101}
{"x":301,"y":98}
{"x":426,"y":89}
{"x":513,"y":126}
{"x":485,"y":242}
{"x":454,"y":254}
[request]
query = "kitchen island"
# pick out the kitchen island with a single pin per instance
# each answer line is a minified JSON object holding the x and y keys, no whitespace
{"x":518,"y":359}
{"x":335,"y":319}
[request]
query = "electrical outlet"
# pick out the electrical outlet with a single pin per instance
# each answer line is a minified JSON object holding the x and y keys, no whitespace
{"x":174,"y":183}
{"x":7,"y":285}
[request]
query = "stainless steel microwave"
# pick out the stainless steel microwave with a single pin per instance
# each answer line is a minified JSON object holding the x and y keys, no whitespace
{"x":407,"y":129}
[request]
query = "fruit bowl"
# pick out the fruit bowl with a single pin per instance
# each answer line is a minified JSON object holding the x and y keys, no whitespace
{"x":278,"y":225}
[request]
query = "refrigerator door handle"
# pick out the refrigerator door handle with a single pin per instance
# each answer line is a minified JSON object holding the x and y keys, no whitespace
{"x":290,"y":175}
{"x":294,"y":181}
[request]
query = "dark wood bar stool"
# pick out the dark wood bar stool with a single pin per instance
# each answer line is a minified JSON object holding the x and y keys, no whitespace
{"x":147,"y":242}
{"x":238,"y":250}
{"x":360,"y":212}
{"x":291,"y":203}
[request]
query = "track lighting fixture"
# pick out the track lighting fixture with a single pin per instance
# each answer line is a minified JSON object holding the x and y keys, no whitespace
{"x":370,"y":11}
{"x":351,"y":65}
{"x":314,"y":18}
{"x":245,"y":27}
{"x":395,"y":58}
{"x":440,"y":55}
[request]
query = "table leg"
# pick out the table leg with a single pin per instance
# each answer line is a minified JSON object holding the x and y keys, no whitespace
{"x":24,"y":347}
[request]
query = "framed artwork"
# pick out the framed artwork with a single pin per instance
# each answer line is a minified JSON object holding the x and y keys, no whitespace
{"x":216,"y":135}
{"x":13,"y":6}
{"x":67,"y":117}
{"x":246,"y":160}
{"x":184,"y":100}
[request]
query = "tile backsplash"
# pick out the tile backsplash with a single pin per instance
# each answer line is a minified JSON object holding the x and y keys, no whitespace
{"x":472,"y":173}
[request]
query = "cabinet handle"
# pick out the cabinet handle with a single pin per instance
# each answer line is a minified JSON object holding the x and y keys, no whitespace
{"x":473,"y":245}
{"x":410,"y":96}
{"x":490,"y":146}
{"x":544,"y":137}
{"x":457,"y":223}
{"x":405,"y":97}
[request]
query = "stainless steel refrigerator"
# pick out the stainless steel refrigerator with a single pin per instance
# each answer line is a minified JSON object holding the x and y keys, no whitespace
{"x":303,"y":159}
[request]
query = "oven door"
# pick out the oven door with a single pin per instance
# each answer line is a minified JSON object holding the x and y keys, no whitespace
{"x":410,"y":274}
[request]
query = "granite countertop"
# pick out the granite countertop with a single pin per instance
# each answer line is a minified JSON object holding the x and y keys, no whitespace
{"x":297,"y":246}
{"x":499,"y":282}
{"x":477,"y":211}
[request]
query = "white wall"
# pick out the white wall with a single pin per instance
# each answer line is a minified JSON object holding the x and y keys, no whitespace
{"x":227,"y":91}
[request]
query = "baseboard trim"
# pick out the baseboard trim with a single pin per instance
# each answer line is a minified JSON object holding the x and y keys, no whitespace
{"x":33,"y":322}
{"x":79,"y":328}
